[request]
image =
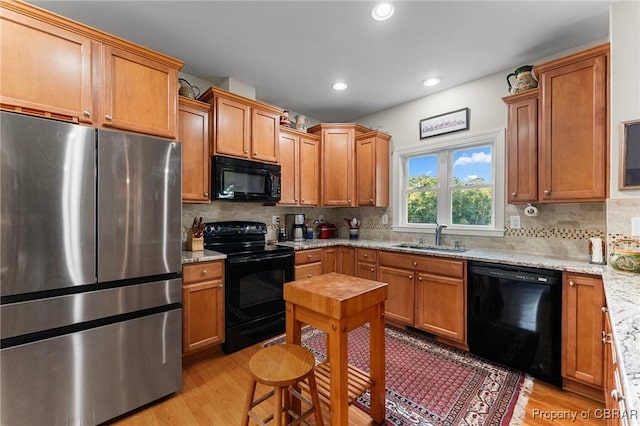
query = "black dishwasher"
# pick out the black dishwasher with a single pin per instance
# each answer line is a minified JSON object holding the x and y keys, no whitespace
{"x":514,"y":317}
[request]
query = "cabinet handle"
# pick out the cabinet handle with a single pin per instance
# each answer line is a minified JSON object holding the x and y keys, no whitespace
{"x":108,"y":117}
{"x":220,"y":286}
{"x":514,"y":194}
{"x":86,"y":113}
{"x":572,"y":283}
{"x":371,"y":200}
{"x":206,"y":194}
{"x":308,"y":275}
{"x":410,"y":277}
{"x":419,"y":278}
{"x":546,"y":192}
{"x":415,"y":263}
{"x":204,"y":272}
{"x":373,"y":269}
{"x":349,"y":201}
{"x":366,"y":255}
{"x":606,"y":338}
{"x":309,"y":256}
{"x":246,"y":152}
{"x":617,"y":395}
{"x":604,"y":309}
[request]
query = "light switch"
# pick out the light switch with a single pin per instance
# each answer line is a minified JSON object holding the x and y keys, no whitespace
{"x":635,"y":226}
{"x":385,"y":219}
{"x":515,"y":222}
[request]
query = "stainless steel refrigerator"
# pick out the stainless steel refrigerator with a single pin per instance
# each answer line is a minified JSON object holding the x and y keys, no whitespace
{"x":90,"y":272}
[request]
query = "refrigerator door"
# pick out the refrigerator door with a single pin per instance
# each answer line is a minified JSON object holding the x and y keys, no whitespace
{"x":139,"y":206}
{"x":47,"y":205}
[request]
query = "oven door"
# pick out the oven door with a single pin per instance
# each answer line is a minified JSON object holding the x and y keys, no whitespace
{"x":254,"y":286}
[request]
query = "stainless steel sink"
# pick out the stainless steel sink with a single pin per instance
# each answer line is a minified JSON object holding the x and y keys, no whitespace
{"x":426,"y":247}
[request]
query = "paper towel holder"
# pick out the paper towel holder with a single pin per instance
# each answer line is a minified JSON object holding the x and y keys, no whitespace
{"x":604,"y":257}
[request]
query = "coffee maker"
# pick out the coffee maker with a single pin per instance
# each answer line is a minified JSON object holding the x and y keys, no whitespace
{"x":294,"y":224}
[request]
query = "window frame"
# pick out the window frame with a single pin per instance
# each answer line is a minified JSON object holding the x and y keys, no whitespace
{"x":399,"y":175}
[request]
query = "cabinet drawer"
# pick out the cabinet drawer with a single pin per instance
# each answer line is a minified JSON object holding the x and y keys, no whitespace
{"x":438,"y":266}
{"x":202,"y":271}
{"x":396,"y":260}
{"x":308,"y":270}
{"x":308,"y":256}
{"x":366,"y":255}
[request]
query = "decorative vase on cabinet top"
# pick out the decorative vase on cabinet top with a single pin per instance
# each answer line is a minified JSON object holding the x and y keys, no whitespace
{"x":302,"y":122}
{"x":524,"y":80}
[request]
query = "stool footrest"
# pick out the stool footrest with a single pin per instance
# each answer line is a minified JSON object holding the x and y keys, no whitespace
{"x":358,"y":382}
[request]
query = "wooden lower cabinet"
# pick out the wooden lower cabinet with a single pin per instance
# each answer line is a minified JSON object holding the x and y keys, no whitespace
{"x":202,"y":306}
{"x":399,"y":305}
{"x":614,"y":391}
{"x":346,"y":261}
{"x":582,"y":329}
{"x":366,"y":264}
{"x":441,"y":307}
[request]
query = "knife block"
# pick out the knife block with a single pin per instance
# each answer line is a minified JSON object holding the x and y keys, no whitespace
{"x":193,"y":243}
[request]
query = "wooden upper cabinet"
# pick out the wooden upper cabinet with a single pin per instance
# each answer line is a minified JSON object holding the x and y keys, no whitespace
{"x":58,"y":68}
{"x":193,"y":132}
{"x":244,"y":128}
{"x":338,"y":162}
{"x":140,"y":95}
{"x":300,"y":168}
{"x":45,"y":70}
{"x":522,"y":147}
{"x":574,"y":127}
{"x":372,"y":165}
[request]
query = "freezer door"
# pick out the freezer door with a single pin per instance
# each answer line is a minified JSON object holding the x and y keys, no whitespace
{"x":47,"y":204}
{"x":139,"y":206}
{"x":91,"y":376}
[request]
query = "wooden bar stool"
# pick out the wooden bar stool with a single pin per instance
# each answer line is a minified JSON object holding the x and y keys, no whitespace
{"x":283,"y":367}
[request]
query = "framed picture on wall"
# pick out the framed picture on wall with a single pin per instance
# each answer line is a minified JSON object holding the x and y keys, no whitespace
{"x":629,"y":174}
{"x":448,"y":122}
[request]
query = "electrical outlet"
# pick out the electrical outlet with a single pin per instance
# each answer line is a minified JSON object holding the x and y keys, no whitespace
{"x":635,"y":226}
{"x":384,"y":219}
{"x":275,"y":220}
{"x":320,"y":218}
{"x":515,"y":222}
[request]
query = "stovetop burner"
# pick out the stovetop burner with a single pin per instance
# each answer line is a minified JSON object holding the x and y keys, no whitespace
{"x":235,"y":238}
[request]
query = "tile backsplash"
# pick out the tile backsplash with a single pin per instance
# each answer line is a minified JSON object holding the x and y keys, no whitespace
{"x":558,"y":230}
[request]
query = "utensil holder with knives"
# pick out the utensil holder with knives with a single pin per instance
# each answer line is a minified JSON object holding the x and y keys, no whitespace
{"x":195,"y":236}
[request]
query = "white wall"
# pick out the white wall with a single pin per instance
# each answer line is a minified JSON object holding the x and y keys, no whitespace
{"x":625,"y":80}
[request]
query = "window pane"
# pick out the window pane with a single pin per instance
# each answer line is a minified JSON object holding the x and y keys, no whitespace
{"x":422,"y":207}
{"x":471,"y":206}
{"x":423,"y":172}
{"x":472,"y":166}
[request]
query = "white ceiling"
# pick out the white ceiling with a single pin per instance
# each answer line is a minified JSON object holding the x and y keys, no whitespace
{"x":292,"y":51}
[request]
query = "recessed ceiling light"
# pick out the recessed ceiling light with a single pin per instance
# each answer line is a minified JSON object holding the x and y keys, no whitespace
{"x":430,"y":82}
{"x":340,"y":85}
{"x":382,"y":11}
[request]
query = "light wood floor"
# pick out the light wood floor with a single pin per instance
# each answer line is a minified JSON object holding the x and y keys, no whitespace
{"x":215,"y":389}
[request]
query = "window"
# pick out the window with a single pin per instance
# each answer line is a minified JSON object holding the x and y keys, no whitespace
{"x":456,"y":181}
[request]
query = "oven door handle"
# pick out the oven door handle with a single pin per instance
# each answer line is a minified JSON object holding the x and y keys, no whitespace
{"x":259,"y":258}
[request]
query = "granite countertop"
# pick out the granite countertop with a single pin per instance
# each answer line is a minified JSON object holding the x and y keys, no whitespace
{"x":622,"y":291}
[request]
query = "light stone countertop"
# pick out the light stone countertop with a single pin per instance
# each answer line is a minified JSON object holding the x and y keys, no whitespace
{"x":622,"y":291}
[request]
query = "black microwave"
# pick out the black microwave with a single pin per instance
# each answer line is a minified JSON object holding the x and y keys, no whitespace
{"x":236,"y":179}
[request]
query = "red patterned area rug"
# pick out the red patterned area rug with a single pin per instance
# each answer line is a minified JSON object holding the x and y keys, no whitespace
{"x":430,"y":384}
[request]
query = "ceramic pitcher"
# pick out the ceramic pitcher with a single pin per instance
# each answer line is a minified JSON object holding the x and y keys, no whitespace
{"x":524,"y":80}
{"x":302,"y":122}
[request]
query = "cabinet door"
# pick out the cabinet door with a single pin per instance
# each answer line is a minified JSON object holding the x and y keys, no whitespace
{"x":573,"y":138}
{"x":203,"y":313}
{"x":399,"y":305}
{"x":346,"y":260}
{"x":366,"y":179}
{"x":45,"y":70}
{"x":330,"y":260}
{"x":288,"y":169}
{"x":232,"y":128}
{"x":309,"y":171}
{"x":140,"y":95}
{"x":582,"y":302}
{"x":522,"y":150}
{"x":440,"y":306}
{"x":265,"y":132}
{"x":366,"y":270}
{"x":338,"y":187}
{"x":193,"y":133}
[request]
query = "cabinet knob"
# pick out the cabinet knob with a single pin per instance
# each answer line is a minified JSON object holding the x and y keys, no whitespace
{"x":606,"y":338}
{"x":86,"y":113}
{"x":546,"y":192}
{"x":572,"y":283}
{"x":604,"y":309}
{"x":206,"y":194}
{"x":349,"y":201}
{"x":246,"y":152}
{"x":309,"y":256}
{"x":373,"y":269}
{"x":410,"y":277}
{"x":308,"y":275}
{"x":419,"y":278}
{"x":204,"y":272}
{"x":255,"y":153}
{"x":220,"y":286}
{"x":366,"y":255}
{"x":301,"y":200}
{"x":617,"y":395}
{"x":108,"y":117}
{"x":514,"y":194}
{"x":371,"y":200}
{"x":415,"y":263}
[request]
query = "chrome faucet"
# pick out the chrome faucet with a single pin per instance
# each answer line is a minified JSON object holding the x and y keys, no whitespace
{"x":439,"y":229}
